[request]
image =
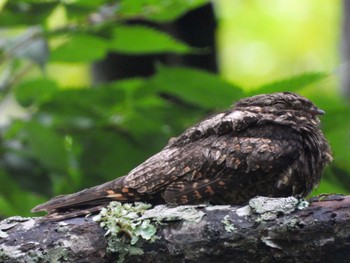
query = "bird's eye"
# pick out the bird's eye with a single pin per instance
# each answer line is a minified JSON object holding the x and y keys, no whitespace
{"x":280,"y":105}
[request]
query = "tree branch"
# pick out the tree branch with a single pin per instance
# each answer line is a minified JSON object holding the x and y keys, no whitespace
{"x":268,"y":230}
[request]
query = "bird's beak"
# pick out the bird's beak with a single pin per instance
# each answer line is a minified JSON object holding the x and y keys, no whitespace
{"x":317,"y":111}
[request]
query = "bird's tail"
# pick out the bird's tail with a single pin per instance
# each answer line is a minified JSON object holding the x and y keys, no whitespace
{"x":87,"y":201}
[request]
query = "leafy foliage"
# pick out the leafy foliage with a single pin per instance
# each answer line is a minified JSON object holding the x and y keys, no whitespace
{"x":124,"y":219}
{"x":127,"y":39}
{"x":292,"y":84}
{"x":63,"y":139}
{"x":125,"y":226}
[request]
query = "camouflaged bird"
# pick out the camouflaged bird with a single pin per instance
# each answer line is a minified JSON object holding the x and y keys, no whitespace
{"x":267,"y":145}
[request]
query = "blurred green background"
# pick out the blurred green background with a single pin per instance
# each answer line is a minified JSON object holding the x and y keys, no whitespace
{"x":90,"y":89}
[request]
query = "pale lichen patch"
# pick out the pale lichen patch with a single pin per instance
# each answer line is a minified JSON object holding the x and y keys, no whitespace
{"x":244,"y":211}
{"x":11,"y":222}
{"x":217,"y":207}
{"x":229,"y":226}
{"x":270,"y":242}
{"x":269,"y":208}
{"x":3,"y":234}
{"x":28,"y":224}
{"x":12,"y":252}
{"x":124,"y":227}
{"x":164,"y":213}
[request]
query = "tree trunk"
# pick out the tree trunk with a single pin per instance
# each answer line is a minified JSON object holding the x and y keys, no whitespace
{"x":345,"y":50}
{"x":266,"y":230}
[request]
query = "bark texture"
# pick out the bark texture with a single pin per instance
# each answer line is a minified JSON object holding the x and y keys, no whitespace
{"x":266,"y":230}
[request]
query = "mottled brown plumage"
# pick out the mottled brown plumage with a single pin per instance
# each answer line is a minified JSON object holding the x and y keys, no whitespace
{"x":268,"y":145}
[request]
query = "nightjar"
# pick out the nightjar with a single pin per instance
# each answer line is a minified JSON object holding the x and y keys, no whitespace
{"x":267,"y":145}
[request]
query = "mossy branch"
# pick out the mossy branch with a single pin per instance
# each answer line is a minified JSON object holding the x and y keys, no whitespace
{"x":267,"y":230}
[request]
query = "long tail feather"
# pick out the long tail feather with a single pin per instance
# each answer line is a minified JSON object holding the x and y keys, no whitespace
{"x":88,"y":200}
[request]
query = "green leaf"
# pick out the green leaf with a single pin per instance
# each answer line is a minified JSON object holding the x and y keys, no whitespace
{"x":334,"y":180}
{"x":333,"y":122}
{"x":339,"y":140}
{"x":97,"y":103}
{"x":17,"y":13}
{"x":142,"y":39}
{"x":80,"y":48}
{"x":89,"y":3}
{"x":80,"y":10}
{"x":12,"y":197}
{"x":46,"y":146}
{"x":108,"y":154}
{"x":158,"y":10}
{"x":35,"y":91}
{"x":292,"y":84}
{"x":194,"y":86}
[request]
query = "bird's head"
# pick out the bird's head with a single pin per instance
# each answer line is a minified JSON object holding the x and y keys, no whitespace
{"x":280,"y":103}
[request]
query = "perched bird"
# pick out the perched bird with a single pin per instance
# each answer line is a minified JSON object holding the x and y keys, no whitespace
{"x":267,"y":145}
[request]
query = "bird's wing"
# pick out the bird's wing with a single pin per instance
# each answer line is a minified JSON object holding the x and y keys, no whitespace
{"x":184,"y":154}
{"x":227,"y":168}
{"x":203,"y":167}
